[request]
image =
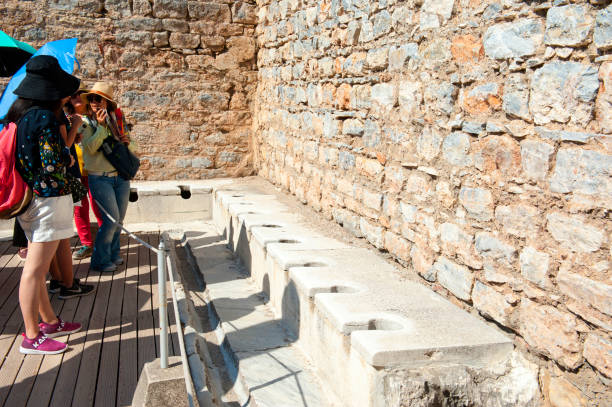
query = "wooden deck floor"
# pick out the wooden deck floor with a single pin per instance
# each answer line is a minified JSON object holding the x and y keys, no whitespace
{"x":104,"y":360}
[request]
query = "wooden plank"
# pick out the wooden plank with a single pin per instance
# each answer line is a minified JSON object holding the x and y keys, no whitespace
{"x":85,"y":388}
{"x":173,"y":346}
{"x":7,"y":251}
{"x":147,"y":350}
{"x":106,"y":389}
{"x":10,"y":313}
{"x":9,"y":279}
{"x":128,"y":351}
{"x":30,"y":369}
{"x":4,"y":246}
{"x":73,"y":357}
{"x":43,"y":388}
{"x":18,"y":372}
{"x":20,"y":390}
{"x":10,"y":369}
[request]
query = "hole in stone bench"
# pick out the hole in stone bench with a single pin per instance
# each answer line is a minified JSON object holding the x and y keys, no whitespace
{"x":185,"y":191}
{"x":383,"y":325}
{"x":342,"y":289}
{"x":269,"y":226}
{"x":314,"y":264}
{"x":133,"y":195}
{"x":237,"y":196}
{"x":288,"y":241}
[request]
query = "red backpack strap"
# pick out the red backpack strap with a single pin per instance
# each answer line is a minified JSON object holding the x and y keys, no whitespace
{"x":119,"y":116}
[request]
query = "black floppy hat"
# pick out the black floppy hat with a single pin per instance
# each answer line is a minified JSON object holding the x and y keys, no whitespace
{"x":45,"y":80}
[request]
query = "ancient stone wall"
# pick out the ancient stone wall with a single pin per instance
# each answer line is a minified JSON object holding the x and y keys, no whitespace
{"x":471,"y":141}
{"x":183,"y":70}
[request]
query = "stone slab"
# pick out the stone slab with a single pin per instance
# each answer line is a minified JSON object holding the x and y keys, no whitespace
{"x":273,"y":369}
{"x":159,"y":387}
{"x":392,"y":324}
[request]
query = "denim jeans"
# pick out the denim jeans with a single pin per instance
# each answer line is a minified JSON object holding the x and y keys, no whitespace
{"x":112,"y":193}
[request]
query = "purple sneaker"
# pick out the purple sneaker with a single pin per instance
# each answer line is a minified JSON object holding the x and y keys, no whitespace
{"x":59,"y":328}
{"x":41,"y":345}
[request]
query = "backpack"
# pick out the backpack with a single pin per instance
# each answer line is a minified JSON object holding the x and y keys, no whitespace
{"x":15,"y":194}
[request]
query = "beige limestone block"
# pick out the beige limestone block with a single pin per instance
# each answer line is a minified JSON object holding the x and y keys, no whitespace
{"x":574,"y":234}
{"x":242,"y":48}
{"x":467,"y":49}
{"x":498,"y":154}
{"x":422,"y":260}
{"x":343,"y":96}
{"x":491,"y":303}
{"x":185,"y":41}
{"x":455,"y":241}
{"x":397,"y":246}
{"x":561,"y":393}
{"x":594,"y":293}
{"x":598,"y":352}
{"x":518,"y":220}
{"x":551,"y":332}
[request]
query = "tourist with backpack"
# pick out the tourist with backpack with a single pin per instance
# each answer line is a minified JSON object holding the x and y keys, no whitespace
{"x":41,"y":160}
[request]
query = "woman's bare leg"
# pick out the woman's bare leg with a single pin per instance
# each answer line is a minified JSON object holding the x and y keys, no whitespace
{"x":46,"y":311}
{"x":32,"y":279}
{"x":54,"y":269}
{"x":64,"y":262}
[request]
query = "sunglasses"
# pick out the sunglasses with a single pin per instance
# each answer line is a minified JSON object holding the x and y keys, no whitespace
{"x":94,"y":98}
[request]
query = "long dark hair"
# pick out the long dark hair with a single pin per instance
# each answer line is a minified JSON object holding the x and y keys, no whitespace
{"x":21,"y":105}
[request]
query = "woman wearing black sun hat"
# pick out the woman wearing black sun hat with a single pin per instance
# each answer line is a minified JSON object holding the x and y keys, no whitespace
{"x":42,"y":159}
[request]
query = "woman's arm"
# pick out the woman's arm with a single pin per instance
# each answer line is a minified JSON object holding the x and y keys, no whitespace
{"x":93,"y":138}
{"x":75,"y":124}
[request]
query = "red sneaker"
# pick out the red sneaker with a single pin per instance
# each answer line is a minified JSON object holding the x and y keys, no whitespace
{"x":41,"y":345}
{"x":59,"y":328}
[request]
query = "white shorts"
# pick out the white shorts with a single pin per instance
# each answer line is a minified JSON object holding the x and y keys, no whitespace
{"x":48,"y":219}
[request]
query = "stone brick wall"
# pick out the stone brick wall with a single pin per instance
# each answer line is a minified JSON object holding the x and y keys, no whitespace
{"x":184,"y":72}
{"x":470,"y":140}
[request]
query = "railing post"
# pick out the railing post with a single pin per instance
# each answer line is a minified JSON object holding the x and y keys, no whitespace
{"x":163,"y":316}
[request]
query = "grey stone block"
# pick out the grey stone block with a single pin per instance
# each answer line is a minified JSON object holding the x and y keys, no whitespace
{"x":563,"y":92}
{"x":513,"y":40}
{"x":477,"y":202}
{"x":455,"y":278}
{"x":455,"y":149}
{"x":535,"y":158}
{"x":603,"y":29}
{"x":568,"y":26}
{"x":584,"y":171}
{"x":558,"y":135}
{"x":516,"y":97}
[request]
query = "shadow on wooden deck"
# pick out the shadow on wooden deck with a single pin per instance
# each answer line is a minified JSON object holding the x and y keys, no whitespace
{"x":104,"y":360}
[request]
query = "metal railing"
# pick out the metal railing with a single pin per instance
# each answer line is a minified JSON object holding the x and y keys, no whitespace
{"x":162,"y":262}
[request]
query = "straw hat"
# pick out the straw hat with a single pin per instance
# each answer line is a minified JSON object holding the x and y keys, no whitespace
{"x":45,"y":80}
{"x":82,"y":89}
{"x":103,"y":89}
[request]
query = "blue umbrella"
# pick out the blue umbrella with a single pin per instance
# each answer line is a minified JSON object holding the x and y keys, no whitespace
{"x":63,"y":50}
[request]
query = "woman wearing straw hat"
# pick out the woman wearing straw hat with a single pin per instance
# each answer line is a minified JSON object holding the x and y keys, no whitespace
{"x":41,"y":159}
{"x":108,"y":189}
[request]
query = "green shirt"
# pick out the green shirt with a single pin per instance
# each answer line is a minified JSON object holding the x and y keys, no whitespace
{"x":93,"y":136}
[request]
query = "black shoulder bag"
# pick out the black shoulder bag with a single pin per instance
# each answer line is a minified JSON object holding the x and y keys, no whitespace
{"x":118,"y":154}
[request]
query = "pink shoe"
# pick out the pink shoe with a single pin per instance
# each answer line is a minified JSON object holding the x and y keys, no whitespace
{"x":59,"y":328}
{"x":41,"y":345}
